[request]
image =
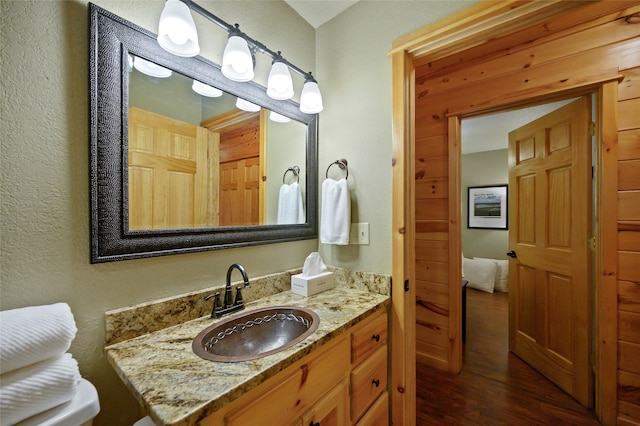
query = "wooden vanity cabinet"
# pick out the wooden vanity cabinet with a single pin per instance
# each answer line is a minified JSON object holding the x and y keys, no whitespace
{"x":344,"y":382}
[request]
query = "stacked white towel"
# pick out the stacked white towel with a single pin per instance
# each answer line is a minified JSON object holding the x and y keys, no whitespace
{"x":290,"y":207}
{"x":37,"y":374}
{"x":335,"y":220}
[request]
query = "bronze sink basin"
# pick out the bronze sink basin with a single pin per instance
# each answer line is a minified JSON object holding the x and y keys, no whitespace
{"x":255,"y":334}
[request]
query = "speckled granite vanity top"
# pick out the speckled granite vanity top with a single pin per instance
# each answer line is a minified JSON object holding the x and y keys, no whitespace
{"x":177,"y":387}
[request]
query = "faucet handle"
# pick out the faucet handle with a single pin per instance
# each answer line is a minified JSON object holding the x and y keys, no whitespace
{"x":239,"y":300}
{"x":217,"y":304}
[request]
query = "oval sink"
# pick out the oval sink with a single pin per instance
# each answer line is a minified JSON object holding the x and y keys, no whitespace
{"x":255,"y":334}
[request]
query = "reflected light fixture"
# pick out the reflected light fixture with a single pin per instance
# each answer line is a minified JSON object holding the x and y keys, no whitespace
{"x":278,"y":118}
{"x":279,"y":85}
{"x":247,"y":106}
{"x":150,"y":69}
{"x":205,"y":90}
{"x":177,"y":32}
{"x":310,"y":98}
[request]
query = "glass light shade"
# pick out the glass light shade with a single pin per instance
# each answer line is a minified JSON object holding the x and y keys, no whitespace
{"x":247,"y":106}
{"x":280,"y":85}
{"x":150,"y":69}
{"x":237,"y":62}
{"x":205,"y":90}
{"x":278,"y":118}
{"x":177,"y":32}
{"x":310,"y":98}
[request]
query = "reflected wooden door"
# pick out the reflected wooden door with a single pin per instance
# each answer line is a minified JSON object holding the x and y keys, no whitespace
{"x":240,"y":192}
{"x":173,"y":180}
{"x":550,"y":225}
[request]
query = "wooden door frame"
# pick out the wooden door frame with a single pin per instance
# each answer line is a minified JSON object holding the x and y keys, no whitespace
{"x":472,"y":27}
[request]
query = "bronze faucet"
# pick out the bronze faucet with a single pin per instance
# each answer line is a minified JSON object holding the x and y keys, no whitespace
{"x":230,"y":304}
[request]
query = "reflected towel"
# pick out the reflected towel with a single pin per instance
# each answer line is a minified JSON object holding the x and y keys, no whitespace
{"x":35,"y":333}
{"x":290,"y":207}
{"x":38,"y":387}
{"x":335,"y":220}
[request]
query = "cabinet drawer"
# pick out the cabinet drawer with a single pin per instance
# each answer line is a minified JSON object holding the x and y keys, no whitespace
{"x":378,"y":414}
{"x":368,"y":336}
{"x":368,"y":381}
{"x":296,"y":392}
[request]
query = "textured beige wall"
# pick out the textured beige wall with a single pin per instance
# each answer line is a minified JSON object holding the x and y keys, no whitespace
{"x":354,"y":73}
{"x":45,"y":170}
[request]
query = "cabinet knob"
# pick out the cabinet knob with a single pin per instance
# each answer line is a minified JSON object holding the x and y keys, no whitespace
{"x":314,"y":424}
{"x":376,"y":337}
{"x":376,"y":382}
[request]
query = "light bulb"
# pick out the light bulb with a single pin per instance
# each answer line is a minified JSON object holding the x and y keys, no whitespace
{"x":178,"y":37}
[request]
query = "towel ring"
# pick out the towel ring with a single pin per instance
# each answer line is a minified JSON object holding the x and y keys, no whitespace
{"x":295,"y":170}
{"x":342,"y":163}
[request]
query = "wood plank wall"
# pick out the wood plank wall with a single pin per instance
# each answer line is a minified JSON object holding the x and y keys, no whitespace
{"x":629,"y":247}
{"x":486,"y":78}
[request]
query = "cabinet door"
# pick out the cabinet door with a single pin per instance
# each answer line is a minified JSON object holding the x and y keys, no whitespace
{"x":331,"y":410}
{"x":378,"y":414}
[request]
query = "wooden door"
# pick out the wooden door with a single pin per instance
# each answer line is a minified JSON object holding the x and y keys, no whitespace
{"x":551,"y":221}
{"x":173,"y":182}
{"x":240,"y":192}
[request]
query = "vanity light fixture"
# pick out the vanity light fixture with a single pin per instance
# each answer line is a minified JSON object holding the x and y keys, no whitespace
{"x":150,"y":69}
{"x":247,"y":106}
{"x":237,"y":60}
{"x":177,"y":34}
{"x":279,"y":85}
{"x":205,"y":90}
{"x":311,"y":98}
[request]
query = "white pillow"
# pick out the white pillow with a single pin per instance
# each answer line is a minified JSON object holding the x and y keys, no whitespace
{"x":481,"y":273}
{"x":502,"y":274}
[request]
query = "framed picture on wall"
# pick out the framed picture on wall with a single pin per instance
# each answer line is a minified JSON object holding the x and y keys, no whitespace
{"x":488,"y":207}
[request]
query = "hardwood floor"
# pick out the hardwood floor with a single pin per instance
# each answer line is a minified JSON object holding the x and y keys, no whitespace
{"x":495,"y":387}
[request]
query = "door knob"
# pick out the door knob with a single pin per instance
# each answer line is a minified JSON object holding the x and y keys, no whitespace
{"x":512,"y":254}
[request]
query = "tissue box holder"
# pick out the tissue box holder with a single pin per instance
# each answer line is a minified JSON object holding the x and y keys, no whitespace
{"x":308,"y":286}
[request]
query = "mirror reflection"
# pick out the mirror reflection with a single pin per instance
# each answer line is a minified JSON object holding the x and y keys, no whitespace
{"x":200,"y":158}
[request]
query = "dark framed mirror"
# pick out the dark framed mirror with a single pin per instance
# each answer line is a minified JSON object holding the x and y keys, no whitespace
{"x":121,"y":192}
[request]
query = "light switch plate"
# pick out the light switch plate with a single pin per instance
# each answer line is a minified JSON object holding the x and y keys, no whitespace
{"x":359,"y":233}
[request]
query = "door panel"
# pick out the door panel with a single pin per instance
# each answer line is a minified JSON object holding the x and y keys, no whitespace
{"x":171,"y":169}
{"x":550,"y":283}
{"x":240,"y":192}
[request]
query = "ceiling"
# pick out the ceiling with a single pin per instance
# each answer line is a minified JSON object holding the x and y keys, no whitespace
{"x":317,"y":12}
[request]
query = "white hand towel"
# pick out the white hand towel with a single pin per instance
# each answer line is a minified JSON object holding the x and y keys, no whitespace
{"x":34,"y":333}
{"x":290,"y":207}
{"x":335,"y":220}
{"x":38,"y":387}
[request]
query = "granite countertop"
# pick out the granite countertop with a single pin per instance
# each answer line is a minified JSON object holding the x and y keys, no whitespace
{"x":177,"y":387}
